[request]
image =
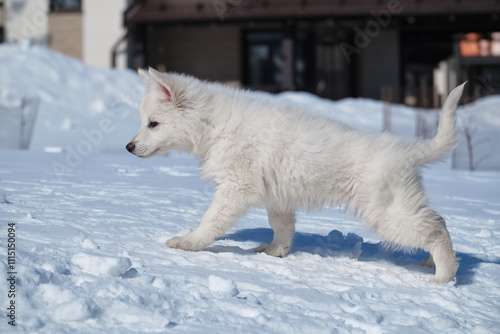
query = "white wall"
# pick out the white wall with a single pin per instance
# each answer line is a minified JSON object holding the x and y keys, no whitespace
{"x":26,"y":19}
{"x":102,"y":27}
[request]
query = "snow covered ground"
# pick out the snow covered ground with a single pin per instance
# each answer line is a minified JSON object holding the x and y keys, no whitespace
{"x":91,"y":224}
{"x":91,"y":257}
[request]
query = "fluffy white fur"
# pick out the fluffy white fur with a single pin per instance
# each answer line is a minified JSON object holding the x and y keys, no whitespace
{"x":263,"y":152}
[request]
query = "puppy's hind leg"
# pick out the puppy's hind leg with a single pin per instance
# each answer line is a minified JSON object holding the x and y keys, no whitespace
{"x":421,"y":228}
{"x":439,"y":245}
{"x":283,"y":225}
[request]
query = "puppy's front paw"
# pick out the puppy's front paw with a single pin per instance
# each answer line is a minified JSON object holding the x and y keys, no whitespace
{"x":273,"y":249}
{"x":261,"y":248}
{"x":441,"y":280}
{"x":185,"y":242}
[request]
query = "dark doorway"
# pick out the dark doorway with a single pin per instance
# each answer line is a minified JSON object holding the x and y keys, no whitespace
{"x":263,"y":62}
{"x":319,"y":66}
{"x":334,"y":74}
{"x":421,"y":53}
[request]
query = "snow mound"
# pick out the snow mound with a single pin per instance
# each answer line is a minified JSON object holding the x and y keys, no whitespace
{"x":75,"y":310}
{"x":84,"y":110}
{"x":74,"y":100}
{"x":223,"y":286}
{"x":482,"y":118}
{"x":3,"y":198}
{"x":101,"y":265}
{"x":65,"y":305}
{"x":86,"y":242}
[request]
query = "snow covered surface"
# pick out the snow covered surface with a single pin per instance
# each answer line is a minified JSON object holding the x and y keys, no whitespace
{"x":91,"y":226}
{"x":91,"y":257}
{"x":74,"y":98}
{"x":482,"y":117}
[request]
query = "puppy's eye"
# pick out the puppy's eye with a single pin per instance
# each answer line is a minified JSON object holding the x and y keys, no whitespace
{"x":153,"y":124}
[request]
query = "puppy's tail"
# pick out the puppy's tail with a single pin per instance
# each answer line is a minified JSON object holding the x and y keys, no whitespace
{"x":446,"y":137}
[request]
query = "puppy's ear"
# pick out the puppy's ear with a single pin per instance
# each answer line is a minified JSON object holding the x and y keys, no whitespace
{"x":162,"y":83}
{"x":145,"y":77}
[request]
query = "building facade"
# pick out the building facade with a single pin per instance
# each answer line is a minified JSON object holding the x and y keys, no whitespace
{"x":403,"y":51}
{"x":87,"y":30}
{"x":2,"y":21}
{"x":397,"y":50}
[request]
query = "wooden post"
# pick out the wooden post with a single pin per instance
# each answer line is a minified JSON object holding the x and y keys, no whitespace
{"x":386,"y":93}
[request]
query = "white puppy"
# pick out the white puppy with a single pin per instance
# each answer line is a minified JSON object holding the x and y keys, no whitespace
{"x":263,"y":152}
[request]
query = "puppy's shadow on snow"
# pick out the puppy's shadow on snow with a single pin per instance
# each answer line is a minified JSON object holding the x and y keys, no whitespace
{"x":336,"y":244}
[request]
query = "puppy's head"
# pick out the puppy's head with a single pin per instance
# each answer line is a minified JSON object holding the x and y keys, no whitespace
{"x":168,"y":119}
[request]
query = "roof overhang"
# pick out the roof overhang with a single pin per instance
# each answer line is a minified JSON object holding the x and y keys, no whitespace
{"x":171,"y":11}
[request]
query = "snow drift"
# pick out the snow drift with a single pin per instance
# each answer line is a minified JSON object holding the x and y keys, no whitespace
{"x":83,"y":110}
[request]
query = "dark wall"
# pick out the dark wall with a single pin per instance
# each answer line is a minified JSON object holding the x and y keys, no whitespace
{"x":379,"y":64}
{"x":206,"y":51}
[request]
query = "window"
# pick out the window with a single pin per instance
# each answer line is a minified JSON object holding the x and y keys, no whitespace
{"x":264,"y":64}
{"x":65,"y":5}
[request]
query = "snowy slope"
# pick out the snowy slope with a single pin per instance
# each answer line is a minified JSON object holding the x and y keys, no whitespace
{"x":74,"y":98}
{"x":77,"y":101}
{"x":482,"y":117}
{"x":91,"y":257}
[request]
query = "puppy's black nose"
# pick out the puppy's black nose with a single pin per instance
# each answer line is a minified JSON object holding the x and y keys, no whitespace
{"x":130,"y":147}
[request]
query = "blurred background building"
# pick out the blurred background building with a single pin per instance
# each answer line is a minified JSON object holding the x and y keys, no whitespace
{"x":402,"y":51}
{"x":86,"y":30}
